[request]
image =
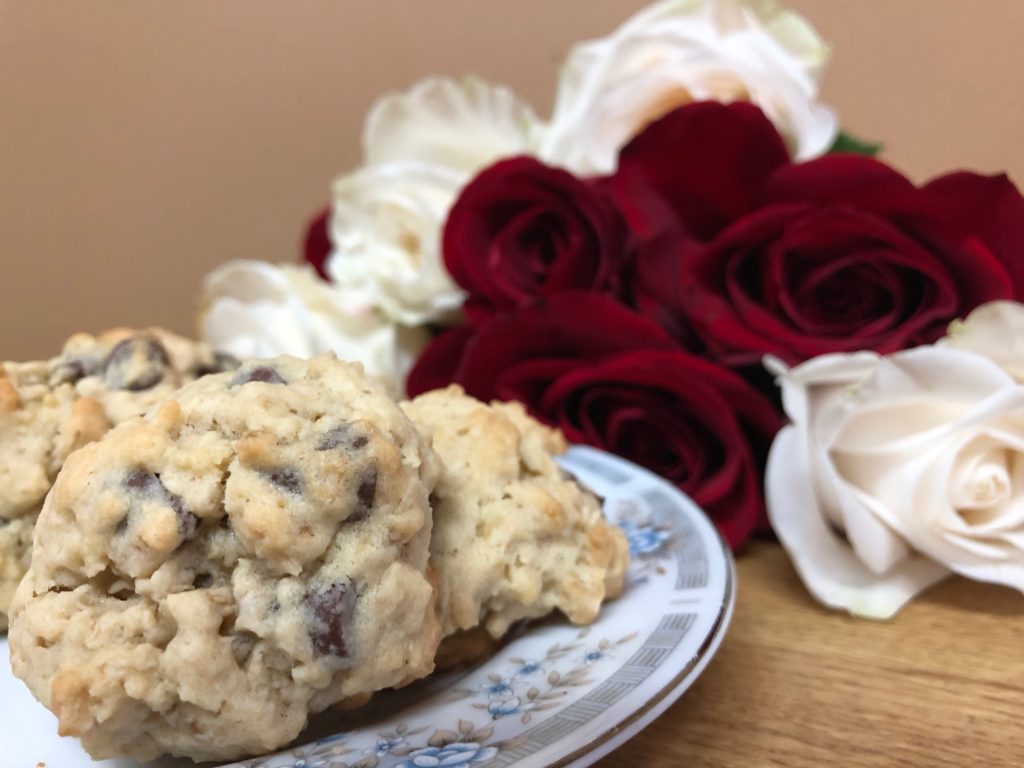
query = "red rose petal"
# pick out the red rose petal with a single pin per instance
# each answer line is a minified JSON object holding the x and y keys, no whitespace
{"x":574,"y":325}
{"x":855,"y":181}
{"x":988,"y":209}
{"x":316,"y":244}
{"x":437,"y":364}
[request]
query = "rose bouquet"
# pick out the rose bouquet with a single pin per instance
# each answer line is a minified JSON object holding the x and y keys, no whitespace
{"x":688,"y":227}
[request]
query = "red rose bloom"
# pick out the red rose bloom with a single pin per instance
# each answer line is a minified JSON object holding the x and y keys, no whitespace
{"x":694,"y":423}
{"x":521,"y":230}
{"x":799,"y":259}
{"x":515,"y":355}
{"x":612,"y":379}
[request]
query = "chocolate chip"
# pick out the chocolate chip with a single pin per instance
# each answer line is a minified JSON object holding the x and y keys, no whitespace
{"x":136,"y":364}
{"x":331,"y":608}
{"x":242,"y":646}
{"x":188,"y":522}
{"x":71,"y":371}
{"x":365,"y":495}
{"x":221,"y":362}
{"x":148,"y":484}
{"x":202,"y":581}
{"x":344,"y":436}
{"x":262,"y":373}
{"x":286,"y":479}
{"x":141,"y":480}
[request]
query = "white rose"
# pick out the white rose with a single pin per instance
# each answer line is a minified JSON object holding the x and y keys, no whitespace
{"x":255,"y":309}
{"x":385,"y":227}
{"x":897,"y":471}
{"x":995,"y":330}
{"x":678,"y":51}
{"x":421,"y":147}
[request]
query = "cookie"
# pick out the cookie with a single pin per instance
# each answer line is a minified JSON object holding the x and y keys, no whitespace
{"x":252,"y":550}
{"x":514,"y":537}
{"x":50,"y":408}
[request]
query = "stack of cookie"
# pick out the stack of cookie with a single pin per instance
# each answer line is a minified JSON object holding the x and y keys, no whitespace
{"x":282,"y":529}
{"x":49,"y":409}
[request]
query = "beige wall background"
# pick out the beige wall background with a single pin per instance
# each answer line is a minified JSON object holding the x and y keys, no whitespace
{"x":144,"y":142}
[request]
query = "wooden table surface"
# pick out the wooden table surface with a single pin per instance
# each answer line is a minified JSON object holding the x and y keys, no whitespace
{"x":797,"y":685}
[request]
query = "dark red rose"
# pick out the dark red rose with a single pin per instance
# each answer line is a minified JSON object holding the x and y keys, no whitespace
{"x":612,"y":379}
{"x":316,"y":245}
{"x":520,"y":351}
{"x":800,"y":259}
{"x":697,"y":169}
{"x":522,"y":230}
{"x":693,"y":422}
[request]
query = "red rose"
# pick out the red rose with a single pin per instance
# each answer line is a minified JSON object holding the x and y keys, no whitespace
{"x":512,"y":355}
{"x":689,"y":420}
{"x":521,"y":230}
{"x":316,"y":245}
{"x":799,"y":259}
{"x":612,"y":379}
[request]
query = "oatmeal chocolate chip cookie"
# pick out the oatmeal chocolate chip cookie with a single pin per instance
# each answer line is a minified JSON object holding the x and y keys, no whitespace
{"x":514,"y":538}
{"x":50,"y":408}
{"x":252,"y":550}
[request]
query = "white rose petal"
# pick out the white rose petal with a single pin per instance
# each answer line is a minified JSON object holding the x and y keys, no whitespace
{"x":822,"y":557}
{"x":995,"y":330}
{"x":386,"y":230}
{"x":459,"y":125}
{"x":896,"y":471}
{"x":421,"y":146}
{"x":678,"y":51}
{"x":869,"y":569}
{"x":255,"y":309}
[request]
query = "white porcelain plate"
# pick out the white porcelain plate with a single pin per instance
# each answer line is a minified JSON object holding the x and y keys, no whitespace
{"x":556,"y":695}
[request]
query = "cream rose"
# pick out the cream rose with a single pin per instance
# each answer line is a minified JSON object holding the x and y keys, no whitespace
{"x":255,"y":309}
{"x":678,"y":51}
{"x":995,"y":330}
{"x":895,"y":472}
{"x":421,"y":147}
{"x":385,"y":227}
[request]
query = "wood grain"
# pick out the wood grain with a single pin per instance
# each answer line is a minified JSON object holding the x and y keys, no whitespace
{"x":797,"y":685}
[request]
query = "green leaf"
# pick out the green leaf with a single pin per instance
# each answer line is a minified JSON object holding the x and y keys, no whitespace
{"x":846,"y":143}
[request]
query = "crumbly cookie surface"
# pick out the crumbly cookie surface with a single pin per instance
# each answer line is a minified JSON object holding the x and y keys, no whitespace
{"x":252,"y":550}
{"x":50,"y":408}
{"x":514,"y":538}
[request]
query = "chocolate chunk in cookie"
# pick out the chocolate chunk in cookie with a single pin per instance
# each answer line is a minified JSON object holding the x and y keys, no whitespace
{"x":263,"y":373}
{"x":138,"y":363}
{"x":331,"y":609}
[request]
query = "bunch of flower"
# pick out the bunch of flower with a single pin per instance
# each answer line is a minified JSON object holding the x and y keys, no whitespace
{"x":624,"y":267}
